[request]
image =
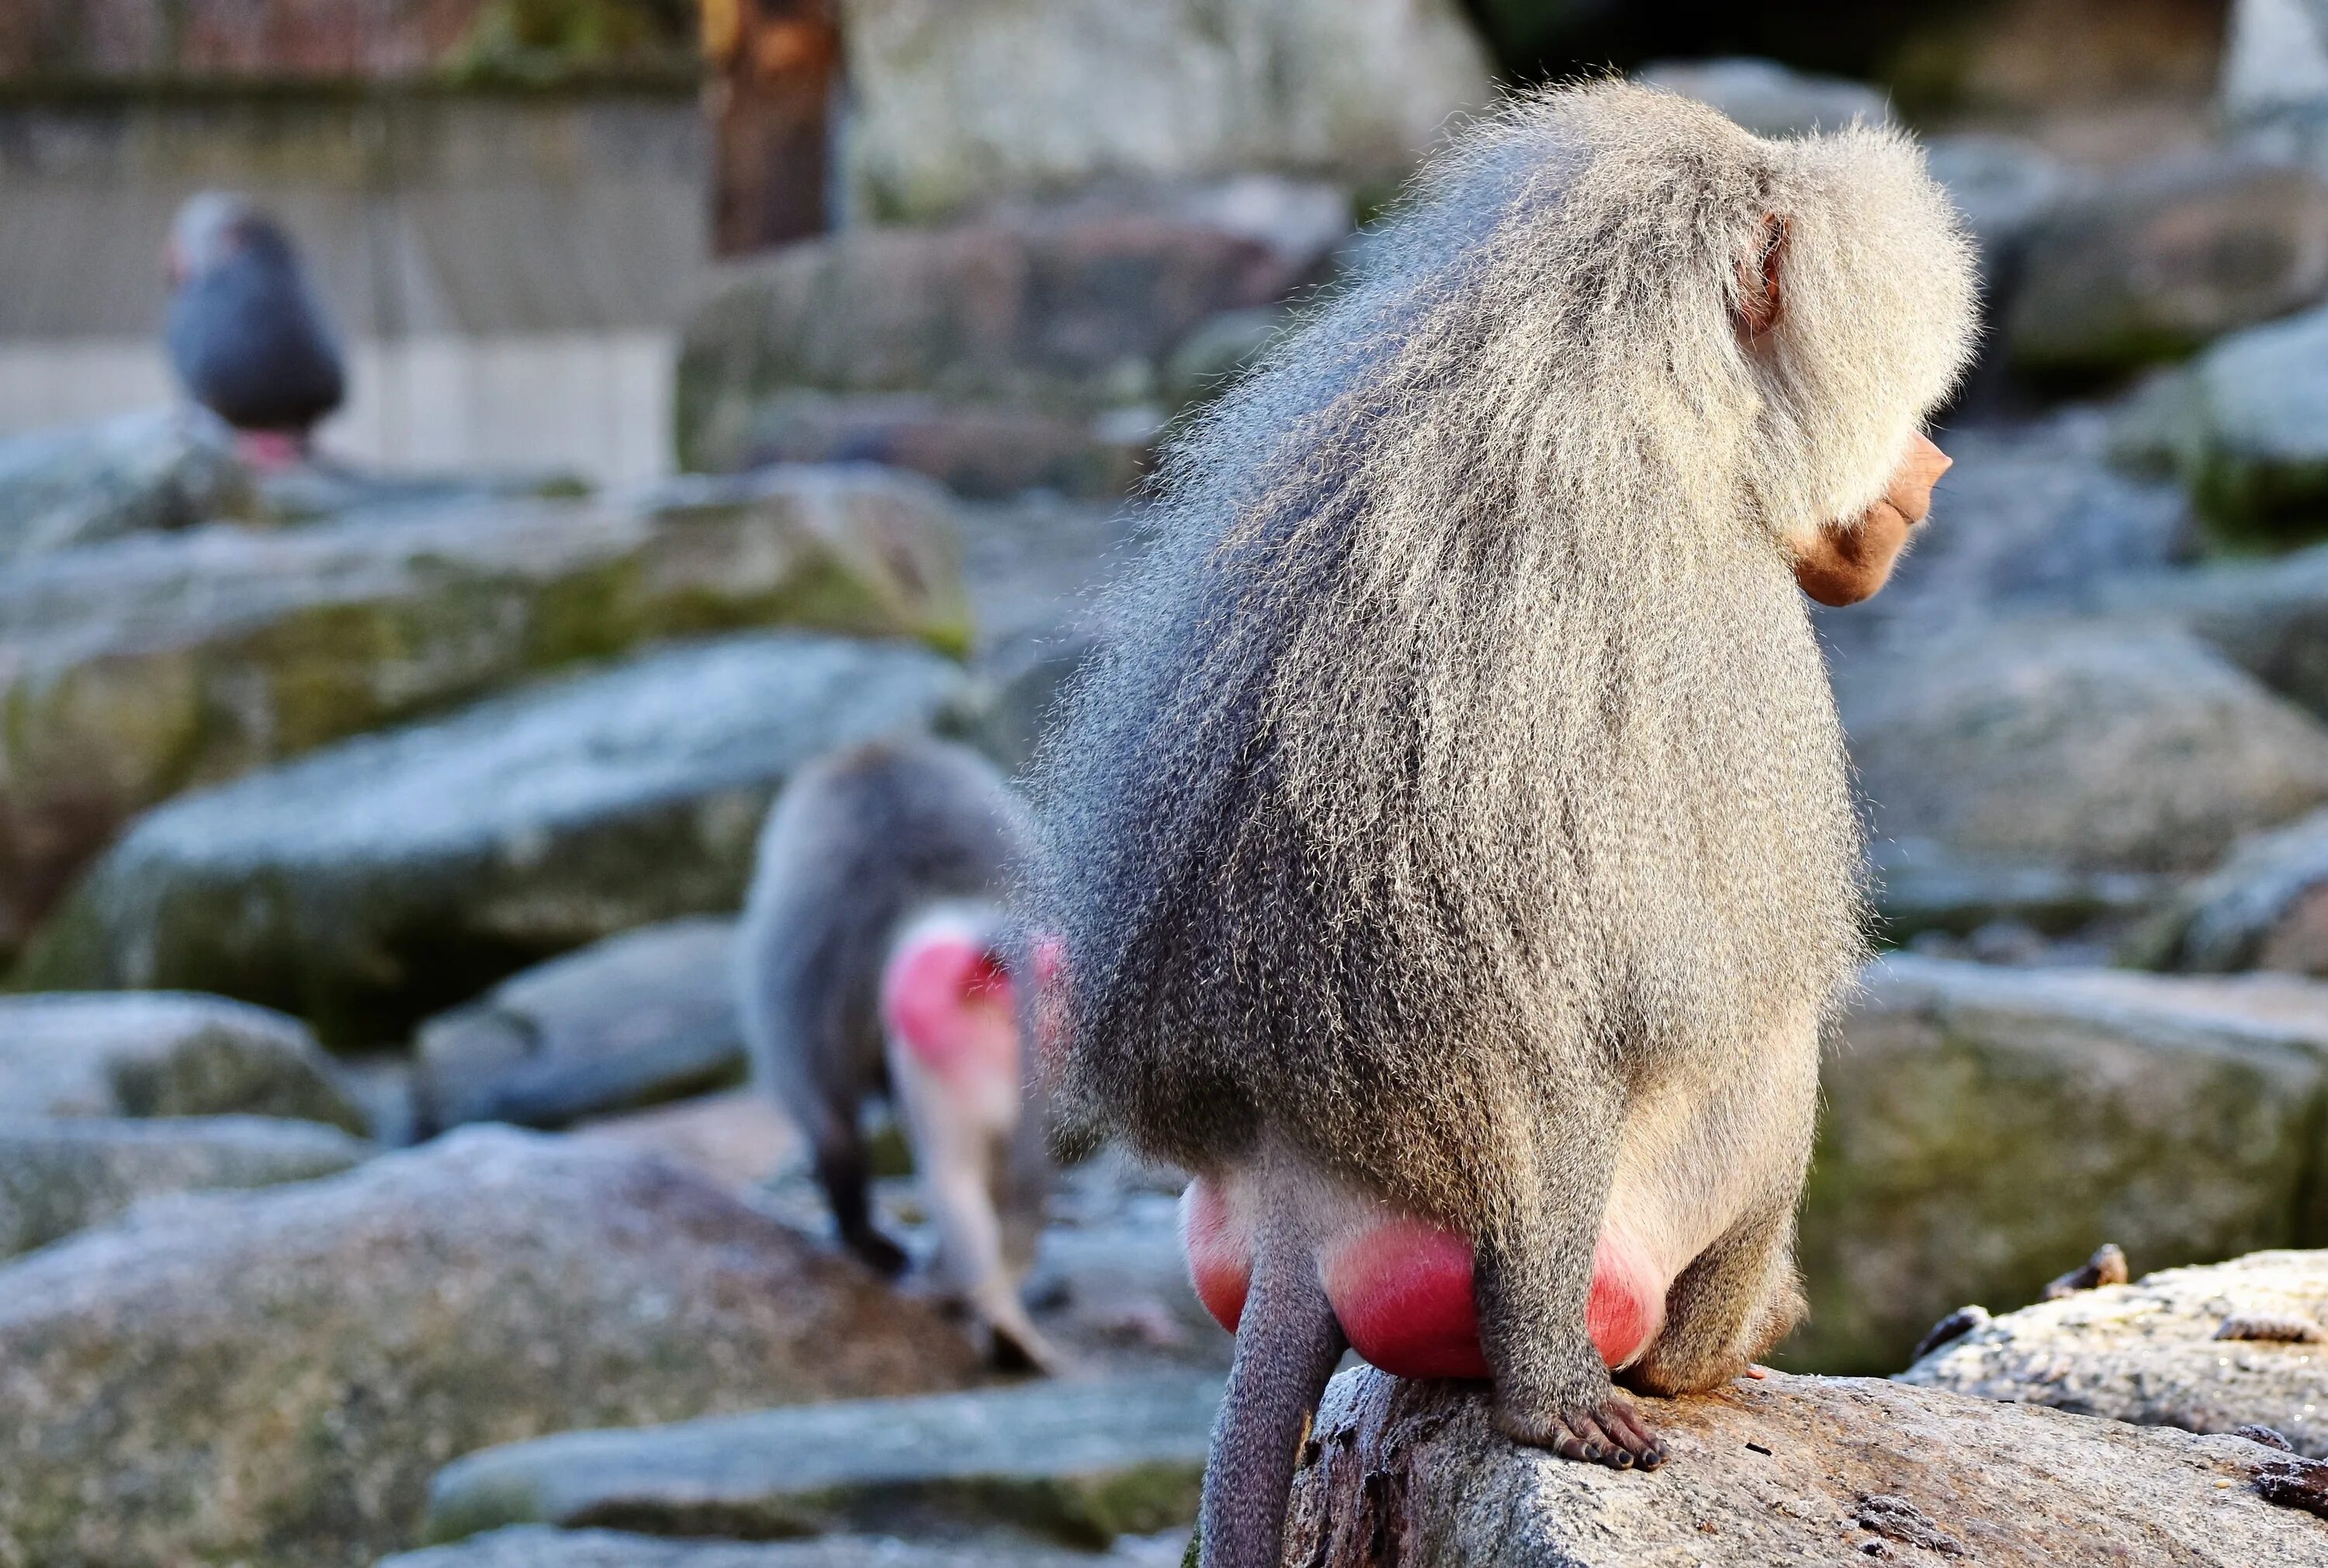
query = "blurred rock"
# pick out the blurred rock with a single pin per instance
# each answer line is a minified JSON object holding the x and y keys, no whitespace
{"x":2031,"y":515}
{"x":2151,"y":267}
{"x":388,"y":878}
{"x":2264,"y":908}
{"x":2079,"y":745}
{"x":58,"y":1176}
{"x":108,"y":1054}
{"x":985,"y":452}
{"x":2271,"y":617}
{"x":1021,"y":684}
{"x":2275,"y":87}
{"x":640,"y":1017}
{"x":2246,"y":430}
{"x":145,"y":473}
{"x":2005,"y":187}
{"x":1057,"y":311}
{"x":1769,"y":99}
{"x":270,"y":1378}
{"x":738,"y":1139}
{"x":1078,"y":1463}
{"x":1985,"y":1129}
{"x":529,"y":1546}
{"x":2148,"y":1353}
{"x":137,"y":669}
{"x":1170,"y":91}
{"x":1210,"y":358}
{"x":1921,"y":888}
{"x":1807,"y":1469}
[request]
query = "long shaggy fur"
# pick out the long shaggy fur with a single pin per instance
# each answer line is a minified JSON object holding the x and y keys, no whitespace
{"x":1466,"y":757}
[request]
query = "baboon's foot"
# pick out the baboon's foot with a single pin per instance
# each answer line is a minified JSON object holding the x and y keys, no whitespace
{"x":1611,"y":1432}
{"x":877,"y":1252}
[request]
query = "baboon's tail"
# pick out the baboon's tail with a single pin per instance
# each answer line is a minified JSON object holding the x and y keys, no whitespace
{"x":1286,"y":1343}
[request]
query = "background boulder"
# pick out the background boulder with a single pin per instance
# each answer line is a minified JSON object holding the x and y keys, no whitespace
{"x":271,"y":1377}
{"x":139,"y":668}
{"x":1983,"y":1129}
{"x":373,"y":883}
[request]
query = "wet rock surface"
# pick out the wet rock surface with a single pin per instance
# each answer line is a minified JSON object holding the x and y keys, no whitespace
{"x":60,"y":1174}
{"x":1789,"y":1470}
{"x":143,"y":667}
{"x":2080,"y":745}
{"x":1079,"y":1462}
{"x":1985,"y":1128}
{"x":396,"y":874}
{"x":2154,"y":1352}
{"x":271,"y":1377}
{"x":646,"y":1016}
{"x":171,"y":1054}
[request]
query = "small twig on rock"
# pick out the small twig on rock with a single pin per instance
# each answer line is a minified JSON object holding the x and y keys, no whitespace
{"x":2285,"y":1329}
{"x":2105,"y":1267}
{"x":1955,"y":1326}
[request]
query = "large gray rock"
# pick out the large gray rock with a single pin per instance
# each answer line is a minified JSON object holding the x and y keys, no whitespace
{"x":2264,"y":908}
{"x":646,"y":1016}
{"x":1169,"y":90}
{"x":1791,"y":1469}
{"x":530,"y":1547}
{"x":2245,"y":429}
{"x":1029,"y":323}
{"x":983,"y":452}
{"x":2270,"y":617}
{"x":2083,"y":745}
{"x":270,"y":1378}
{"x":138,"y":668}
{"x":109,"y":1054}
{"x":2148,"y":1352}
{"x":370,"y":884}
{"x":1079,"y":1462}
{"x":1769,"y":99}
{"x":2154,"y":267}
{"x":166,"y":468}
{"x":60,"y":1176}
{"x":1986,"y":1129}
{"x":2275,"y":87}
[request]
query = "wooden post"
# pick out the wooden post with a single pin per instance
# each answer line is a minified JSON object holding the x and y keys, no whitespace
{"x":775,"y":74}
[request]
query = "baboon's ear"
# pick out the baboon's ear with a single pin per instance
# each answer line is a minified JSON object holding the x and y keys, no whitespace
{"x":1761,"y":298}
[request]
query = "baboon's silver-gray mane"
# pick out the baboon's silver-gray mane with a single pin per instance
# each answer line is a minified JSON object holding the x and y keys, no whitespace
{"x":1465,"y":705}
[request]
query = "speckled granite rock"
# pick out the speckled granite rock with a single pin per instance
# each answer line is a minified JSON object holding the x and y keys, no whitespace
{"x":2148,"y":1352}
{"x":270,"y":1378}
{"x":1078,"y":1462}
{"x":1794,"y":1469}
{"x":532,"y":1546}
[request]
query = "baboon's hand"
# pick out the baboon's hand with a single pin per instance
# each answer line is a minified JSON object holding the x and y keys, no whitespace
{"x":1610,"y":1432}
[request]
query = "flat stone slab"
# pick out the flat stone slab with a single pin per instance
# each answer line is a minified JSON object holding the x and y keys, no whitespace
{"x":58,"y":1176}
{"x":163,"y":1054}
{"x":377,"y":881}
{"x":2148,"y":1352}
{"x":646,"y":1016}
{"x":141,"y":668}
{"x":1080,"y":1463}
{"x":1792,"y":1469}
{"x":534,"y":1546}
{"x":1985,"y":1129}
{"x":270,"y":1378}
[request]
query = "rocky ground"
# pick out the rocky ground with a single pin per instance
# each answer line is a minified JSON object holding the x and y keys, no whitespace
{"x":349,"y":825}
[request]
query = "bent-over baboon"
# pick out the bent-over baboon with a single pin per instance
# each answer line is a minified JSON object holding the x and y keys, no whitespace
{"x":1453,"y":857}
{"x":875,"y":953}
{"x":246,"y":333}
